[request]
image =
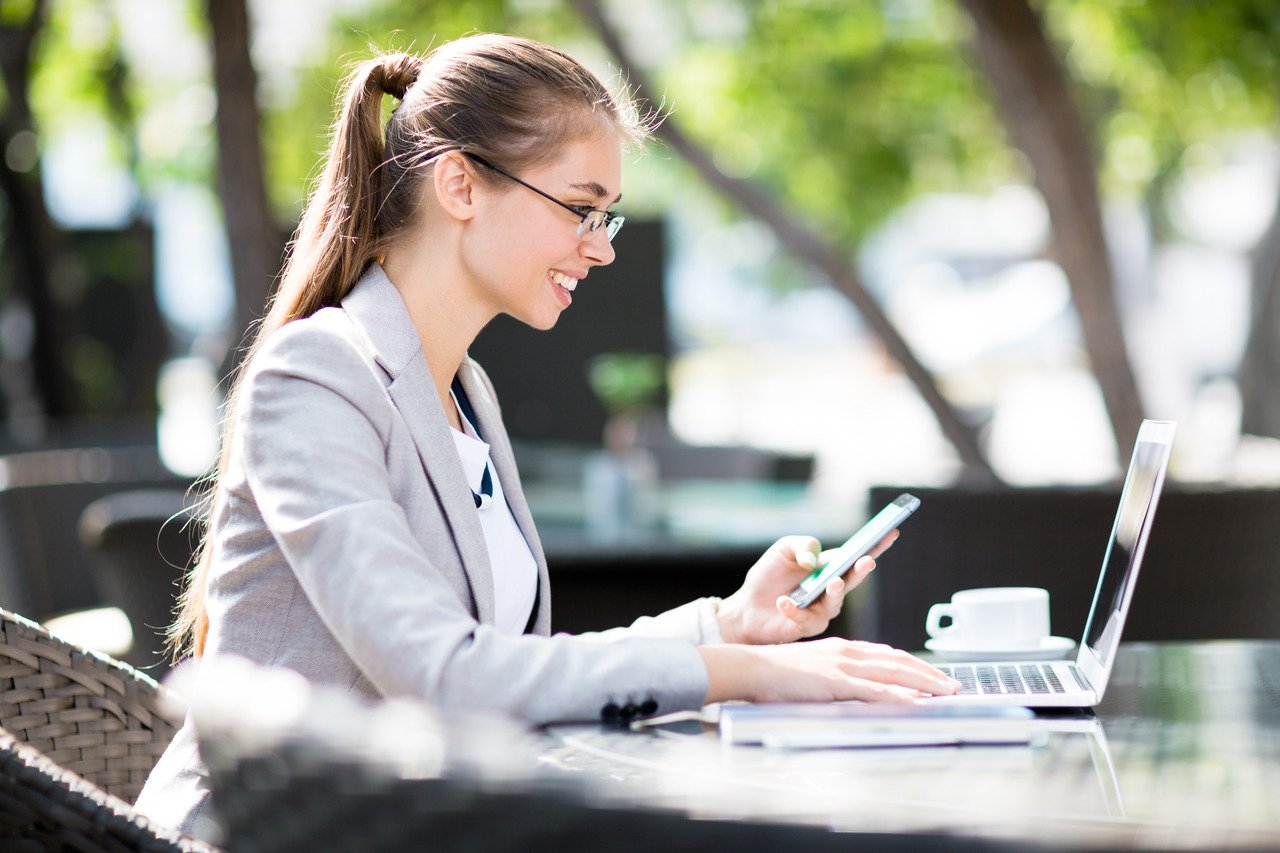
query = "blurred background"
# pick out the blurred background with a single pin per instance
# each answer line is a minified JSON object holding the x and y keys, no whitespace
{"x":905,"y":241}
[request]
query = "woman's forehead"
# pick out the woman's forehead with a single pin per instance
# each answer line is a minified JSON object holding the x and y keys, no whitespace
{"x":590,"y":164}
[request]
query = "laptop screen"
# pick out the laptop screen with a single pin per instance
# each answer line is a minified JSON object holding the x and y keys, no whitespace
{"x":1128,"y":539}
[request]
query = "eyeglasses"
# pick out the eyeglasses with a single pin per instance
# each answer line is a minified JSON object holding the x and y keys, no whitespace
{"x":592,"y":219}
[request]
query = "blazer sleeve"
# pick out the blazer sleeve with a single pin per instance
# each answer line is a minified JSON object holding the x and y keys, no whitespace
{"x":312,"y":431}
{"x":695,"y":622}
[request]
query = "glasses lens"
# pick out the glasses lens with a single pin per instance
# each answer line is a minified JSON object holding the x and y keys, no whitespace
{"x":592,"y":221}
{"x":613,"y":225}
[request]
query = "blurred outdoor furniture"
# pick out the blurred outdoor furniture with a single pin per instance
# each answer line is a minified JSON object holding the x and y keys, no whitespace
{"x":300,"y":797}
{"x":1210,"y":570}
{"x":79,"y":733}
{"x":329,"y":774}
{"x":141,"y":542}
{"x":44,"y":568}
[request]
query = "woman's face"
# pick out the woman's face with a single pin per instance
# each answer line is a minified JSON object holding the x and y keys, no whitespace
{"x":524,"y":253}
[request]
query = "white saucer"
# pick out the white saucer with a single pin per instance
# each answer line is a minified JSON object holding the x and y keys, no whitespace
{"x":958,"y":650}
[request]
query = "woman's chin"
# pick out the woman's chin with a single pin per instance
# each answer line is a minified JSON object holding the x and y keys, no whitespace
{"x":542,"y":321}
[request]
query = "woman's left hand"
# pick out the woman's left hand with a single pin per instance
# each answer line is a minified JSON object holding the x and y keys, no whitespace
{"x":761,"y":613}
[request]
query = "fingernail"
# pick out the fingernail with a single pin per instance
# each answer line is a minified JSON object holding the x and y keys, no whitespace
{"x":807,"y":558}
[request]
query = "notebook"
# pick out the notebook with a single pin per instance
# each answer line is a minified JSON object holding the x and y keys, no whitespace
{"x":817,"y":725}
{"x":1080,"y":684}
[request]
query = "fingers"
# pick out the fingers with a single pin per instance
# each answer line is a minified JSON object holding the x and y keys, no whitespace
{"x":901,"y":675}
{"x":888,"y":663}
{"x":885,"y":544}
{"x":808,"y":620}
{"x":851,"y":579}
{"x":832,"y":669}
{"x":867,"y":690}
{"x":804,"y":550}
{"x":815,"y":618}
{"x":835,"y":669}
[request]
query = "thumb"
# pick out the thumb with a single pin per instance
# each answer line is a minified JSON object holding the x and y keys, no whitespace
{"x":806,"y":550}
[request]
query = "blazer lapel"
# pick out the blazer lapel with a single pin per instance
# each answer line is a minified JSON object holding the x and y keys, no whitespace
{"x":377,"y":309}
{"x":504,"y":462}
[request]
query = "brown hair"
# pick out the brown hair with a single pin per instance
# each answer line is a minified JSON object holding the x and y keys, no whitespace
{"x":512,"y":101}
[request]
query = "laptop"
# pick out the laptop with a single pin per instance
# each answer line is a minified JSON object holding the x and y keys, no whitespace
{"x":1080,"y":684}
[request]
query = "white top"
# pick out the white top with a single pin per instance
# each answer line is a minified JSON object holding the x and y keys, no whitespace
{"x":515,"y":571}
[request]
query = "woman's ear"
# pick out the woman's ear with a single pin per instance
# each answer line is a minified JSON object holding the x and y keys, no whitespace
{"x":454,"y":181}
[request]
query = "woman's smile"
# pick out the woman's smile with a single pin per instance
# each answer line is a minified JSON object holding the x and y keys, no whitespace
{"x":564,"y":286}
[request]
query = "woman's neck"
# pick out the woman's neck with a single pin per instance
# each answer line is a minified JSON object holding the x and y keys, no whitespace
{"x":444,"y":311}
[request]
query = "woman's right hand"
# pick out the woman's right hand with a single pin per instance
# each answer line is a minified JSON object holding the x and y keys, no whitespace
{"x":825,"y":670}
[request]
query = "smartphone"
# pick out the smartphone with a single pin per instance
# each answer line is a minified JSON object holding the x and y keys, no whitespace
{"x":857,"y":545}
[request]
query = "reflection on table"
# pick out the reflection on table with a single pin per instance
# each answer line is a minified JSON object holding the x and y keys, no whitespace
{"x":1184,"y":752}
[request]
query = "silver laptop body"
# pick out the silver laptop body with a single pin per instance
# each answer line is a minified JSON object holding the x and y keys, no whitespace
{"x":1080,"y":684}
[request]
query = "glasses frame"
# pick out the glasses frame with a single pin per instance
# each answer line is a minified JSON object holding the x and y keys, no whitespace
{"x":592,"y":218}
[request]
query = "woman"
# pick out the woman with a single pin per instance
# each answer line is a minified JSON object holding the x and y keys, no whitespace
{"x":368,"y":528}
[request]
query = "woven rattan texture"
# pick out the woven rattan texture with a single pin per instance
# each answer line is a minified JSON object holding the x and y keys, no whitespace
{"x":86,"y":713}
{"x":44,"y":807}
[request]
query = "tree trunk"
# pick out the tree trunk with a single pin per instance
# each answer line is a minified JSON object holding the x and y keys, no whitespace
{"x":1044,"y":122}
{"x":33,"y":239}
{"x":809,"y":247}
{"x":1259,"y":375}
{"x":254,"y":240}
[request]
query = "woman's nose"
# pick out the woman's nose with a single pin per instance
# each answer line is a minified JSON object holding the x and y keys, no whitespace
{"x":597,"y":248}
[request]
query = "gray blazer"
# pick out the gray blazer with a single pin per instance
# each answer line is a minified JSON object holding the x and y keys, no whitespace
{"x":347,"y":548}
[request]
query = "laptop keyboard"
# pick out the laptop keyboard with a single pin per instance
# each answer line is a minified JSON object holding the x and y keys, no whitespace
{"x":1009,"y":679}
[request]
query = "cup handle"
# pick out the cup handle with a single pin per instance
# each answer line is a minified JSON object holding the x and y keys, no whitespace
{"x":933,"y":622}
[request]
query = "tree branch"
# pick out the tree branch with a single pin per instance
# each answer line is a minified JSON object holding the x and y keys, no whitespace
{"x":1045,"y":124}
{"x":256,"y":248}
{"x":1259,"y":371}
{"x":35,"y":241}
{"x":805,"y":244}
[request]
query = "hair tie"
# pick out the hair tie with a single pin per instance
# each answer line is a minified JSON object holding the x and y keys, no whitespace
{"x":399,"y":71}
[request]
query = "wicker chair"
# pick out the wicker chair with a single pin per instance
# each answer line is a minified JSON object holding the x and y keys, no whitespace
{"x":80,"y":733}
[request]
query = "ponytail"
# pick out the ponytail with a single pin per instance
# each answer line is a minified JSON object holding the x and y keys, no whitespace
{"x":336,"y":241}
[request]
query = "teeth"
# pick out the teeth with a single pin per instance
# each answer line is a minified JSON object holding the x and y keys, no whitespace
{"x":564,"y":280}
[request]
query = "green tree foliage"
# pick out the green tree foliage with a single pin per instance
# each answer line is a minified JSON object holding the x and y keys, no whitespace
{"x":1164,"y":82}
{"x":160,"y":122}
{"x":845,"y":109}
{"x":297,"y":126}
{"x":849,"y":109}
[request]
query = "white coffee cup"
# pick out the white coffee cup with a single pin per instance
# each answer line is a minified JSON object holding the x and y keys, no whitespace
{"x":993,"y":617}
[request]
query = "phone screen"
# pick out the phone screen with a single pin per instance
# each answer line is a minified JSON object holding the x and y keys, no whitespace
{"x":860,"y":543}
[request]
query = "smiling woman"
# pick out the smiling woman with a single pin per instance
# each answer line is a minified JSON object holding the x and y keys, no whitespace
{"x":367,"y":527}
